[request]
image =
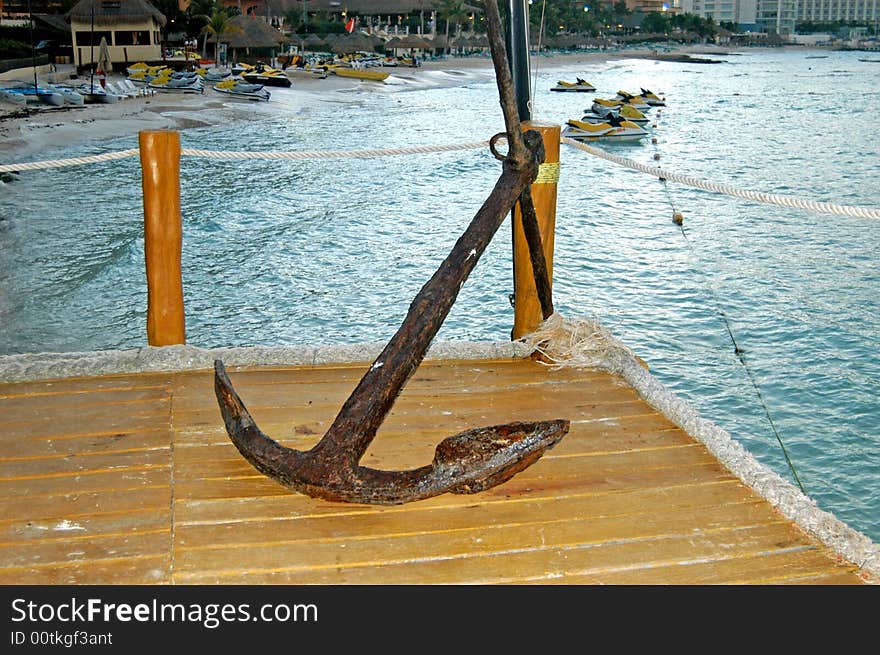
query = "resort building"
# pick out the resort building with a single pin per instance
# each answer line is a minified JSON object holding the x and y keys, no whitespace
{"x":739,"y":12}
{"x":782,"y":16}
{"x":831,"y":11}
{"x":131,"y":29}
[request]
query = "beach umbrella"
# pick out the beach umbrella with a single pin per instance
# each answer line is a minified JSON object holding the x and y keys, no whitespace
{"x":105,"y":64}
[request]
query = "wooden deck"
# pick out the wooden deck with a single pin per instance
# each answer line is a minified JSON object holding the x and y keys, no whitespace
{"x":131,"y":479}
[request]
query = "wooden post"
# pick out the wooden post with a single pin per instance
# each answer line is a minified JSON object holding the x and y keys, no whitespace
{"x":163,"y":236}
{"x":527,"y":308}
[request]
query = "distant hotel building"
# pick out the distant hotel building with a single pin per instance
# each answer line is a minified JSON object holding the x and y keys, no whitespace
{"x":780,"y":16}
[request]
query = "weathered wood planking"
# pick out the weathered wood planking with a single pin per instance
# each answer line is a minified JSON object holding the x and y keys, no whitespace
{"x":132,"y":479}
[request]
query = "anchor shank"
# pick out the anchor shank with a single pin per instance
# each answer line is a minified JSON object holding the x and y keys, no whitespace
{"x":362,"y":414}
{"x":518,"y":153}
{"x":536,"y":252}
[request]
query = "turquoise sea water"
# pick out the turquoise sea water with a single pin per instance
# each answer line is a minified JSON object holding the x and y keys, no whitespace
{"x":333,"y":250}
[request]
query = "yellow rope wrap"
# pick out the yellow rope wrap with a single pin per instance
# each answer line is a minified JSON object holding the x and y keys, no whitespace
{"x":547,"y":174}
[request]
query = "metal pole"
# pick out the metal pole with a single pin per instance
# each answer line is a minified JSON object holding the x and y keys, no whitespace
{"x":33,"y":46}
{"x":92,"y":51}
{"x":518,"y":53}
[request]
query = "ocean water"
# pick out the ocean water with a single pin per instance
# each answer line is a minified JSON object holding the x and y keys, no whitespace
{"x":332,"y":250}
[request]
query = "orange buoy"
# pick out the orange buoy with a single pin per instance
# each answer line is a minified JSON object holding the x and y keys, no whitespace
{"x":677,"y":218}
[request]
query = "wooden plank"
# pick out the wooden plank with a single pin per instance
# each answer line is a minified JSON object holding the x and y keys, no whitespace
{"x":448,"y":514}
{"x":482,"y":537}
{"x":73,"y":551}
{"x":129,"y":570}
{"x":77,"y":464}
{"x":75,"y":505}
{"x":790,"y":567}
{"x":107,"y":481}
{"x":513,"y":564}
{"x":74,"y":385}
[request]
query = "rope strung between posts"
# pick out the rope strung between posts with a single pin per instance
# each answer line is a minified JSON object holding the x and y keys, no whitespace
{"x":757,"y":196}
{"x":215,"y":154}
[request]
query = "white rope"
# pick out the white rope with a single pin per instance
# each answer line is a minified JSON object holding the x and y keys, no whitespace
{"x":331,"y":154}
{"x":279,"y":154}
{"x":758,"y":196}
{"x":73,"y":161}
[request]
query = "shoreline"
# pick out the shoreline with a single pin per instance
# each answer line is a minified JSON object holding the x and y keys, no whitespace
{"x":25,"y":133}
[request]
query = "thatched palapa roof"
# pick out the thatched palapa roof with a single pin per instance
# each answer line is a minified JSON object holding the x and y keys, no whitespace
{"x":110,"y":12}
{"x":251,"y":32}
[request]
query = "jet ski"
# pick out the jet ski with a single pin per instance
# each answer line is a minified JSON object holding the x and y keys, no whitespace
{"x":579,"y":85}
{"x":616,"y":103}
{"x":646,"y":95}
{"x":239,"y":89}
{"x":627,"y":112}
{"x":262,"y":74}
{"x":613,"y":129}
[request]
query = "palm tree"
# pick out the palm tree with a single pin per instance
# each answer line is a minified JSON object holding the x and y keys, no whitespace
{"x":218,"y":25}
{"x":452,"y":11}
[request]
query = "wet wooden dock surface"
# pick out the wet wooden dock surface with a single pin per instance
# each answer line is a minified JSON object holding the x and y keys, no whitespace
{"x":132,"y":479}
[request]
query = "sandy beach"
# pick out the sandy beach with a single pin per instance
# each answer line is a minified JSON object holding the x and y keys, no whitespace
{"x":25,"y":133}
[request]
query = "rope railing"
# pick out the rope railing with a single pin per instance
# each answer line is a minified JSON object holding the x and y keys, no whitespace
{"x":245,"y":154}
{"x":656,"y":171}
{"x":757,"y":196}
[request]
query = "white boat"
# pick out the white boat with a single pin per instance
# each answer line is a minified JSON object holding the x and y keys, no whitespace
{"x":578,"y":86}
{"x":240,"y":89}
{"x":34,"y":94}
{"x":614,"y":129}
{"x":71,"y":96}
{"x":95,"y":94}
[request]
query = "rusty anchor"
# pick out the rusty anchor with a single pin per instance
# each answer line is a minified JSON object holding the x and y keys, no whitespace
{"x":468,"y":462}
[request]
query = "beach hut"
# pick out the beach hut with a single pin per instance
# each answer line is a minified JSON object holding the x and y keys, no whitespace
{"x":132,"y":29}
{"x":251,"y":38}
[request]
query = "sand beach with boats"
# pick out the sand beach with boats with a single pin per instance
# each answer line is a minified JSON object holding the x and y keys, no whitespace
{"x":23,"y":133}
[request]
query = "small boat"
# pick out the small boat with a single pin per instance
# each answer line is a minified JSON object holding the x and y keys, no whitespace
{"x":214,"y":74}
{"x":627,"y":112}
{"x":71,"y":96}
{"x":143,"y":74}
{"x":360,"y":73}
{"x":600,"y":104}
{"x":579,"y":85}
{"x":873,"y":61}
{"x":262,"y":74}
{"x":178,"y":83}
{"x":240,"y":89}
{"x":646,"y":96}
{"x":34,"y":94}
{"x":613,"y":129}
{"x":319,"y":72}
{"x":241,"y":68}
{"x":95,"y":94}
